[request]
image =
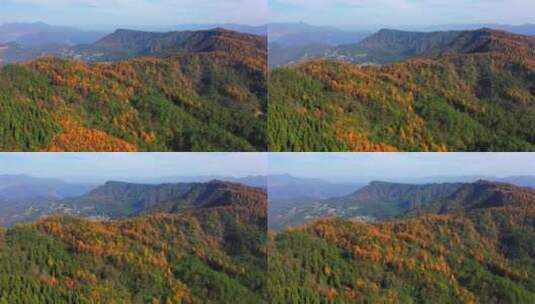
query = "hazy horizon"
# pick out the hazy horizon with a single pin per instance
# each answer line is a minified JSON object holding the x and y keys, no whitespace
{"x":92,"y":14}
{"x":99,"y":167}
{"x":352,"y":13}
{"x":346,"y":167}
{"x":333,"y":167}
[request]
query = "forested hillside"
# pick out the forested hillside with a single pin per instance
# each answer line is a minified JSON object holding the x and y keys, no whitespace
{"x":481,"y":250}
{"x":212,"y":253}
{"x":208,"y":96}
{"x":475,"y":93}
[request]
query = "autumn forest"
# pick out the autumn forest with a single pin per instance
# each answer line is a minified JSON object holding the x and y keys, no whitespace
{"x":191,"y":152}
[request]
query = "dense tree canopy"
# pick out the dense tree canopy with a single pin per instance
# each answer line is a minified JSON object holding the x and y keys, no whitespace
{"x":481,"y":253}
{"x":211,"y":100}
{"x":477,"y":98}
{"x":213,"y":254}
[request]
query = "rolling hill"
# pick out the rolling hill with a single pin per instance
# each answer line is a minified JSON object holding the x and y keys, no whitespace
{"x":458,"y":91}
{"x":204,"y":93}
{"x":477,"y":249}
{"x":212,"y":252}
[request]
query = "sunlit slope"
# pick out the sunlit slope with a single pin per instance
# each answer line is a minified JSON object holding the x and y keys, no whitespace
{"x":210,"y":98}
{"x":211,"y":254}
{"x":473,"y":94}
{"x":480,"y":254}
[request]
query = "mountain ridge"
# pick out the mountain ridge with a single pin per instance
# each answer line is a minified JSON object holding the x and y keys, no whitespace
{"x":122,"y":199}
{"x":124,"y":44}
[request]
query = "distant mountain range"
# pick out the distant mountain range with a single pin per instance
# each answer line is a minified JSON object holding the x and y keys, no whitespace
{"x":293,"y":42}
{"x":288,"y":35}
{"x":40,"y":34}
{"x":23,"y":187}
{"x":284,"y":187}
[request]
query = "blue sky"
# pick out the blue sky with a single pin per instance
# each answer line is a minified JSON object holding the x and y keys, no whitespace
{"x":329,"y":166}
{"x":96,"y":166}
{"x":402,"y":12}
{"x":347,"y":166}
{"x":134,"y":12}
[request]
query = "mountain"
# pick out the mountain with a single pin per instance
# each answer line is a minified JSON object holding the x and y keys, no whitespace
{"x":292,"y":43}
{"x":23,"y":198}
{"x":288,"y":193}
{"x":22,"y":187}
{"x":252,"y":181}
{"x":295,"y":42}
{"x":28,"y":41}
{"x":283,"y":187}
{"x":206,"y":93}
{"x":14,"y":52}
{"x":523,"y":29}
{"x":474,"y":93}
{"x":476,"y":196}
{"x":300,"y":34}
{"x":124,"y":44}
{"x":41,"y":34}
{"x":260,"y":30}
{"x":523,"y":181}
{"x":480,"y":251}
{"x":120,"y":199}
{"x":212,"y":253}
{"x":392,"y":45}
{"x":280,"y":56}
{"x":376,"y":201}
